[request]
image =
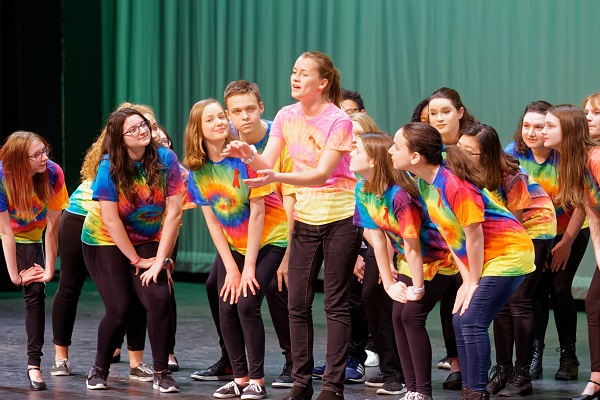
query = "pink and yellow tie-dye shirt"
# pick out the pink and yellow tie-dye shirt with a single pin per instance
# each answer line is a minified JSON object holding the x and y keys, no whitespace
{"x":401,"y":216}
{"x":306,"y":139}
{"x":453,"y":204}
{"x":220,"y":186}
{"x":143,"y":219}
{"x":30,"y":230}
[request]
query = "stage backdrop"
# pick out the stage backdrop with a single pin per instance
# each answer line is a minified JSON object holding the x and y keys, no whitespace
{"x":500,"y":55}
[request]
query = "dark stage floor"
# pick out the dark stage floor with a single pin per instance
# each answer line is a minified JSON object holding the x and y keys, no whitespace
{"x":197,"y":347}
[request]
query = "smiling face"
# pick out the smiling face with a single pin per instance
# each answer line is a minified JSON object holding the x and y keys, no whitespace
{"x":136,"y":134}
{"x":244,"y":111}
{"x":470,"y":145}
{"x":552,"y":132}
{"x":37,"y":157}
{"x":444,"y":117}
{"x":592,"y":114}
{"x":214,"y":123}
{"x":533,"y":125}
{"x":306,"y":81}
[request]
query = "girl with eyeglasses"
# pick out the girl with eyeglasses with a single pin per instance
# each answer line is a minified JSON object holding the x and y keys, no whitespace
{"x":566,"y":131}
{"x":139,"y":189}
{"x":318,"y":135}
{"x":388,"y":207}
{"x":491,"y":248}
{"x":32,"y":197}
{"x":514,"y":326}
{"x":567,"y":251}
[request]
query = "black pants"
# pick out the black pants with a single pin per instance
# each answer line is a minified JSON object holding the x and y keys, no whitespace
{"x":592,"y":310}
{"x":515,"y":323}
{"x":556,"y":286}
{"x":118,"y":286}
{"x":241,"y":323}
{"x":278,"y":308}
{"x":412,"y":339}
{"x":72,"y":277}
{"x":446,"y":306}
{"x":35,"y":301}
{"x":359,"y":332}
{"x":336,"y":244}
{"x":378,"y":310}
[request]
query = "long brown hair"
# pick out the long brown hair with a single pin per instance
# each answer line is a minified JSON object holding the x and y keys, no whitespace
{"x":573,"y":158}
{"x":493,"y":161}
{"x":122,"y":167}
{"x":333,"y":90}
{"x":20,"y":185}
{"x":376,"y":146}
{"x":537,"y":107}
{"x":426,"y":140}
{"x":195,"y":149}
{"x":454,"y":97}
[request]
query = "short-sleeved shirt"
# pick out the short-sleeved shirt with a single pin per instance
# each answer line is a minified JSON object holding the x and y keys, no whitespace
{"x":401,"y":216}
{"x":546,"y":175}
{"x":306,"y":139}
{"x":592,"y":178}
{"x":220,"y":186}
{"x":143,"y":218}
{"x":28,"y":230}
{"x":453,"y":204}
{"x":520,"y":192}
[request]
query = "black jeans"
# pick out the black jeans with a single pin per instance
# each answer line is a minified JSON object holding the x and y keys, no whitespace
{"x":336,"y":244}
{"x":446,"y":306}
{"x":378,"y":310}
{"x":118,"y":287}
{"x":412,"y":339}
{"x":241,"y":323}
{"x":556,"y":286}
{"x":515,"y":324}
{"x":278,"y":308}
{"x":35,"y":301}
{"x":359,"y":328}
{"x":592,"y":310}
{"x":72,"y":277}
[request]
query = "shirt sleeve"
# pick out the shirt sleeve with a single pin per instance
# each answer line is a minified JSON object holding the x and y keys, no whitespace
{"x":361,"y":214}
{"x":467,"y":204}
{"x":517,"y":191}
{"x":259,"y":191}
{"x":60,"y":197}
{"x":194,"y":193}
{"x":409,"y":219}
{"x":175,"y":183}
{"x":340,"y":138}
{"x":103,"y":187}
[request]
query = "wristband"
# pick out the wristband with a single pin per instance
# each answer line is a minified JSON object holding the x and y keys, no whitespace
{"x":418,"y":290}
{"x":137,"y":260}
{"x":251,"y":158}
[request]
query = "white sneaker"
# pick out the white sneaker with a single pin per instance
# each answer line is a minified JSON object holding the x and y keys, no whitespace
{"x":372,"y":359}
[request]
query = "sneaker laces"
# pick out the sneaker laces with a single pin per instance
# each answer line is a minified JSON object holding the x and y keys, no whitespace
{"x":145,"y":368}
{"x":287,"y":369}
{"x":253,"y":386}
{"x":61,"y":362}
{"x":96,"y":371}
{"x":512,"y":376}
{"x":230,"y":385}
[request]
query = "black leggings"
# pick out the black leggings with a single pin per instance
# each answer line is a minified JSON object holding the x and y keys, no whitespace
{"x":557,"y":287}
{"x":378,"y":311}
{"x":118,"y":286}
{"x":592,"y":310}
{"x":72,"y":277}
{"x":35,"y":301}
{"x":241,"y":323}
{"x":446,"y":306}
{"x":412,"y":339}
{"x":515,"y":324}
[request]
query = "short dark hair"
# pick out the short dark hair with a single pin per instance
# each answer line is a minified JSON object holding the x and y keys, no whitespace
{"x":354,"y":96}
{"x":240,"y":87}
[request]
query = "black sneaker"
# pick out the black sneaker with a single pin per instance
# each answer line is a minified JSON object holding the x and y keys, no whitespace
{"x":96,"y":379}
{"x":391,"y":387}
{"x":376,"y":381}
{"x":254,"y":392}
{"x":164,"y":382}
{"x":228,"y":391}
{"x":219,"y":371}
{"x":284,"y":380}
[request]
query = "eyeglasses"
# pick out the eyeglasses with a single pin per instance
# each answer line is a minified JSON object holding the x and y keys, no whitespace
{"x":38,"y":156}
{"x":134,"y":131}
{"x":471,"y":154}
{"x":351,"y":110}
{"x":165,"y":143}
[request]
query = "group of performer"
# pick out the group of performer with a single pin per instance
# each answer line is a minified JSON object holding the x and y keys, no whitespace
{"x":439,"y":211}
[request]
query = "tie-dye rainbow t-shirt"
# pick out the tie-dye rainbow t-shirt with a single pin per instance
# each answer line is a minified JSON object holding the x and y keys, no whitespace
{"x":400,"y":216}
{"x":220,"y":186}
{"x":520,"y":192}
{"x":81,"y":200}
{"x":306,"y":139}
{"x":453,"y":204}
{"x":30,"y":230}
{"x":546,"y":175}
{"x":143,"y":219}
{"x":592,"y":178}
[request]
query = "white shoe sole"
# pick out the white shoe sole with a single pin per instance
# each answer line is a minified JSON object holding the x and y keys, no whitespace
{"x":96,"y":387}
{"x":171,"y":389}
{"x":141,"y":378}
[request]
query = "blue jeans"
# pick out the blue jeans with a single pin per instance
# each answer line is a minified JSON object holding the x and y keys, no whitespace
{"x":472,"y":338}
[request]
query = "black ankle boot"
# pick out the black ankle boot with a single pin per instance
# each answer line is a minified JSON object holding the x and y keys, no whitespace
{"x":536,"y":369}
{"x":498,"y":378}
{"x":519,"y":383}
{"x":470,"y":394}
{"x":569,"y":364}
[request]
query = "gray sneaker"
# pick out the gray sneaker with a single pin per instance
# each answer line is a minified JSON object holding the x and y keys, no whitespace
{"x":96,"y":379}
{"x":142,"y":372}
{"x":228,"y":391}
{"x":254,"y":392}
{"x":61,"y":367}
{"x":164,"y":382}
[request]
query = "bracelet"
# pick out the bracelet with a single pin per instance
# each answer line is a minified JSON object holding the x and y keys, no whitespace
{"x":418,"y":290}
{"x":137,"y":260}
{"x":167,"y":262}
{"x":251,"y":158}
